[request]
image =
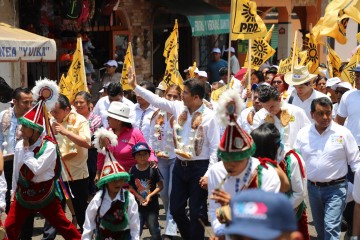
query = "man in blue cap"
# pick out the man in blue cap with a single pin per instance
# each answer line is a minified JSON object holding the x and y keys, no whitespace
{"x":256,"y":214}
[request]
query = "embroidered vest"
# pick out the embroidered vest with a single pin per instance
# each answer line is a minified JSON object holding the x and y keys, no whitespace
{"x":37,"y":195}
{"x":114,"y":221}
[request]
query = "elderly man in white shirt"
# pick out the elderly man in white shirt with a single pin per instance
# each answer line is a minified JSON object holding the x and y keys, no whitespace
{"x":197,"y":135}
{"x":115,"y":93}
{"x":303,"y":95}
{"x":327,"y":149}
{"x":288,"y":119}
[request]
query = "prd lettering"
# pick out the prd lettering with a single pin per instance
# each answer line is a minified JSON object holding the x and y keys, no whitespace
{"x":256,"y":61}
{"x":248,"y":27}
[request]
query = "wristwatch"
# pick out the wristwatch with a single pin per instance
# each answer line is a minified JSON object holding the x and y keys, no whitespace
{"x":354,"y":238}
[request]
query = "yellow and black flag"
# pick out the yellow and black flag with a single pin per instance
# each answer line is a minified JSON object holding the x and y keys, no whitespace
{"x":75,"y":80}
{"x":286,"y":64}
{"x":352,"y":10}
{"x":192,"y":70}
{"x":334,"y":62}
{"x":347,"y":74}
{"x":312,"y":58}
{"x":260,"y":52}
{"x":128,"y":62}
{"x":245,"y":22}
{"x":172,"y":74}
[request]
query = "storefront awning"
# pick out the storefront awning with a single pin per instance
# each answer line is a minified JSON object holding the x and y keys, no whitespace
{"x":17,"y":44}
{"x":204,"y":18}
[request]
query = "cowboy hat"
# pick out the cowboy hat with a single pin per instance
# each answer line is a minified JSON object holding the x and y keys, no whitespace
{"x":299,"y":76}
{"x":119,"y":111}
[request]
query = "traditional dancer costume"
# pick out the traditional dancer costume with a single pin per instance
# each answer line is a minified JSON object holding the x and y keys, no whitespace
{"x":36,"y":170}
{"x":236,"y":146}
{"x":108,"y":218}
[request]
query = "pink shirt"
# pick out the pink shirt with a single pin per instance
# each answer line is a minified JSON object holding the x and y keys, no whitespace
{"x":122,"y":152}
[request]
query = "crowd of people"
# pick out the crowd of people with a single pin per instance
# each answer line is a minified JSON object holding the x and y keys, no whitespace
{"x":245,"y":162}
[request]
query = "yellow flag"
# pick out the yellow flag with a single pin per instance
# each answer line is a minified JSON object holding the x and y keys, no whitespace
{"x":128,"y":62}
{"x":312,"y":58}
{"x":334,"y":62}
{"x":192,"y":70}
{"x":245,"y":23}
{"x":269,"y":34}
{"x":172,"y":74}
{"x":285,"y":64}
{"x":302,"y":57}
{"x":334,"y":22}
{"x":215,"y":95}
{"x":351,"y":10}
{"x":65,"y":87}
{"x":260,"y":52}
{"x":347,"y":74}
{"x":358,"y":37}
{"x":75,"y":80}
{"x":171,"y":42}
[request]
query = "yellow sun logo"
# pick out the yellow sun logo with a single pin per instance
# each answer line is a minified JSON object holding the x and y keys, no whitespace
{"x":259,"y":48}
{"x":250,"y":17}
{"x":312,"y":53}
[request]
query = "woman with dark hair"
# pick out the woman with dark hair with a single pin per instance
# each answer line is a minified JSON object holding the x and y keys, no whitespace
{"x":121,"y":124}
{"x":320,"y":84}
{"x":288,"y":163}
{"x":282,"y":87}
{"x":161,"y":140}
{"x":257,"y":77}
{"x":82,"y":104}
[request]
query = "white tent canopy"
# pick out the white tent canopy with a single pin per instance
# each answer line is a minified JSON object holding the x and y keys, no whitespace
{"x":17,"y":44}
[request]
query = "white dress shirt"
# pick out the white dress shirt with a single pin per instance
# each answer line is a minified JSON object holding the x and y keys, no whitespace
{"x":356,"y":188}
{"x":288,"y":133}
{"x":306,"y":105}
{"x":209,"y":123}
{"x":327,"y":155}
{"x":349,"y":108}
{"x":298,"y":183}
{"x":217,"y":172}
{"x":142,"y":120}
{"x":242,"y":120}
{"x":95,"y":204}
{"x":103,"y":104}
{"x":42,"y":167}
{"x":164,"y":142}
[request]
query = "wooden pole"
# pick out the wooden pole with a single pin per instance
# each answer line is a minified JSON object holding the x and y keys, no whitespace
{"x":249,"y":65}
{"x":294,"y":49}
{"x":229,"y":46}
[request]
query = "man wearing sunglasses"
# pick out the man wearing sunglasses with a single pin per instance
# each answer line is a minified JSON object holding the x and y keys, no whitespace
{"x":339,"y":90}
{"x":111,"y":75}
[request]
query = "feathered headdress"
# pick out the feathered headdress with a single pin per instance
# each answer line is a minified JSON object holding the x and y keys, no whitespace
{"x":235,"y":144}
{"x":46,"y":93}
{"x":112,"y":170}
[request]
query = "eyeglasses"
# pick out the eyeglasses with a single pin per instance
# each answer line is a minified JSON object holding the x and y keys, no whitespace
{"x":341,"y":92}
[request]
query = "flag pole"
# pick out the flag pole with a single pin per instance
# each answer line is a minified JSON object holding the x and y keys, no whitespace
{"x":294,"y":49}
{"x":229,"y":45}
{"x":249,"y":64}
{"x":83,"y":62}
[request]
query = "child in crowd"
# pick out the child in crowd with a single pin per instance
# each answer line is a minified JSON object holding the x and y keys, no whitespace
{"x":145,"y":184}
{"x":113,"y":212}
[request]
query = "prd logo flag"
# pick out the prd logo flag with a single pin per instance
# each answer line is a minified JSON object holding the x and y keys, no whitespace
{"x":260,"y":52}
{"x":347,"y":74}
{"x":312,"y":59}
{"x":128,"y":62}
{"x":334,"y":62}
{"x":245,"y":22}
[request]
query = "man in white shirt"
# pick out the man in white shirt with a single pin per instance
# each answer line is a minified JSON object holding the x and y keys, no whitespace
{"x":234,"y":62}
{"x":143,"y":111}
{"x":197,"y":135}
{"x":115,"y":93}
{"x":349,"y":108}
{"x":287,"y":118}
{"x":303,"y":95}
{"x":327,"y":149}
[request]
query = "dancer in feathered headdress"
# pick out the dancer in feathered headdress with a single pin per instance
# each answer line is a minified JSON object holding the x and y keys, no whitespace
{"x":37,"y":168}
{"x":237,"y":170}
{"x":113,"y":212}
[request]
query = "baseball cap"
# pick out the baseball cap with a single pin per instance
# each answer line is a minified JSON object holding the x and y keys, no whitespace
{"x":261,"y":215}
{"x":332,"y":81}
{"x":202,"y":73}
{"x":231,"y":50}
{"x":346,"y":85}
{"x":111,"y":63}
{"x":140,"y":146}
{"x":216,"y":50}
